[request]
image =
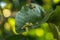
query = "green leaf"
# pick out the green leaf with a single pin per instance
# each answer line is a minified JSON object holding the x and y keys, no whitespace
{"x":26,"y":14}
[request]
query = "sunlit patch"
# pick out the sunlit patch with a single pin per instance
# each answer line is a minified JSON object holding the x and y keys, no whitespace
{"x":6,"y":12}
{"x":25,"y":33}
{"x":39,"y":32}
{"x":44,"y":25}
{"x":7,"y":26}
{"x":11,"y":21}
{"x":3,"y":4}
{"x":59,"y":33}
{"x":31,"y":33}
{"x":56,"y":1}
{"x":49,"y":36}
{"x":8,"y":6}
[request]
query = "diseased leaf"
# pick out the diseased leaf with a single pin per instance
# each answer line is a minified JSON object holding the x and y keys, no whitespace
{"x":26,"y":14}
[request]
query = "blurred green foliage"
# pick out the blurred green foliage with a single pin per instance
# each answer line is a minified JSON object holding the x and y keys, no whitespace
{"x":49,"y":30}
